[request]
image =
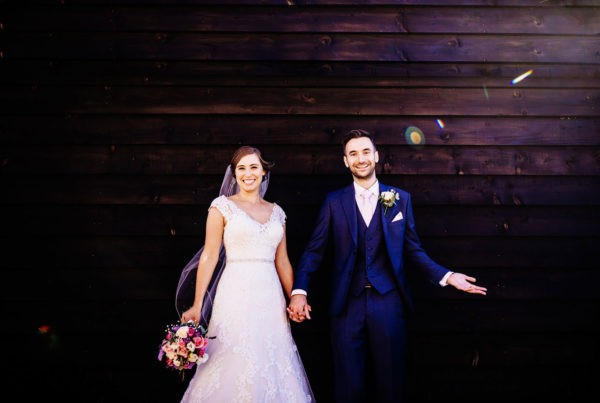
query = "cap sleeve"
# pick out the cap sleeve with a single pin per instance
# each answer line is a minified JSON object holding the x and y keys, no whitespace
{"x":279,"y":214}
{"x":222,"y":204}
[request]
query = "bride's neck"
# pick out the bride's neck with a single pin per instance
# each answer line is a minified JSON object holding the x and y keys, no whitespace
{"x":249,"y":197}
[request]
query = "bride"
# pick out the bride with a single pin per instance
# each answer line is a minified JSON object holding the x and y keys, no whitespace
{"x":253,"y":357}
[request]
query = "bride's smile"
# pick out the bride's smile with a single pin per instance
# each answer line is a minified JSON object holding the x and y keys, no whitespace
{"x":249,"y":173}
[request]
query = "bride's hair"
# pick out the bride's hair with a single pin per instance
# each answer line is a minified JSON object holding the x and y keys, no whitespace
{"x":248,"y":150}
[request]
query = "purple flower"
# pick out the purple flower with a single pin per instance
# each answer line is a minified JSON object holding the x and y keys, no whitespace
{"x":160,"y":354}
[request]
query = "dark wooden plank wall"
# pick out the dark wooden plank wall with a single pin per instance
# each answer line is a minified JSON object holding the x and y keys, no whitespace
{"x":119,"y":117}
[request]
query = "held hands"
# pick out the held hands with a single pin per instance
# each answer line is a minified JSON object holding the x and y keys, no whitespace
{"x":299,"y":310}
{"x":192,"y":314}
{"x":461,"y":282}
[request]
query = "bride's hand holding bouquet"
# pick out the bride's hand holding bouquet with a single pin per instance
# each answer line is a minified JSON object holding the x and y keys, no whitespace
{"x":185,"y":343}
{"x":192,"y":314}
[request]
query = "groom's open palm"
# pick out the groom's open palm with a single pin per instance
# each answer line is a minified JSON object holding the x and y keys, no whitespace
{"x":464,"y":283}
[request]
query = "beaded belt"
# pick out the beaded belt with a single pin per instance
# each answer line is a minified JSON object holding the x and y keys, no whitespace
{"x":249,"y":260}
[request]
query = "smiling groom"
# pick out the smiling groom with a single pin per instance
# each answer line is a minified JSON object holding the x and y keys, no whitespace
{"x":372,"y":237}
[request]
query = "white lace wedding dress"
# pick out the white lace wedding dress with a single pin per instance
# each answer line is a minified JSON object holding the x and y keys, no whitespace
{"x":253,"y":358}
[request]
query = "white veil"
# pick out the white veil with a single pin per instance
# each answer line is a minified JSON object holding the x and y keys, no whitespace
{"x":186,"y":288}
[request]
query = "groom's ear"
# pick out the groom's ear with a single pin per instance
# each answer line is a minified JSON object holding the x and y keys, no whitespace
{"x":346,"y":161}
{"x":376,"y":156}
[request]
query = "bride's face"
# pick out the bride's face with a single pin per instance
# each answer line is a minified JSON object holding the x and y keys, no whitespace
{"x":249,"y":173}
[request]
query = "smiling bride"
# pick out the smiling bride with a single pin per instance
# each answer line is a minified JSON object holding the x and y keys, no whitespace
{"x":253,"y":357}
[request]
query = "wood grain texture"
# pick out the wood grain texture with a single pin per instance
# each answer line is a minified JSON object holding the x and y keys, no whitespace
{"x":466,"y":252}
{"x":293,"y":130}
{"x":363,"y":18}
{"x":292,"y":3}
{"x":118,"y":119}
{"x":189,"y":220}
{"x":287,"y":46}
{"x":202,"y":189}
{"x":290,"y":73}
{"x":187,"y":160}
{"x":343,"y":101}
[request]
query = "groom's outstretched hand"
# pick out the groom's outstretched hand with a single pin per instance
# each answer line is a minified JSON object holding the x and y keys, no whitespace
{"x":299,"y":310}
{"x":463,"y":282}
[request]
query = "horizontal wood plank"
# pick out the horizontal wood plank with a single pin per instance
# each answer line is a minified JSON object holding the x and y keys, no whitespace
{"x":128,"y":252}
{"x":488,"y":20}
{"x":438,"y":316}
{"x":291,"y":3}
{"x":272,"y":130}
{"x":286,"y":46}
{"x":115,"y":284}
{"x":308,"y":190}
{"x":186,"y":160}
{"x":292,"y":101}
{"x":162,"y":220}
{"x":288,"y":73}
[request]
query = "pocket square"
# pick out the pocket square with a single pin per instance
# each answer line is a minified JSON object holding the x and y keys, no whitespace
{"x":398,"y":217}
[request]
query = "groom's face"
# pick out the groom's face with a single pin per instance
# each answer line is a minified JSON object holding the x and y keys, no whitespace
{"x":360,"y":157}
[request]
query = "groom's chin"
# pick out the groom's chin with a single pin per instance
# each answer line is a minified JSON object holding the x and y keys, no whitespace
{"x":366,"y":176}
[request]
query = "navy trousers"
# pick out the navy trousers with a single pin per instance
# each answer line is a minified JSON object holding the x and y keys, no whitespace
{"x":370,"y":333}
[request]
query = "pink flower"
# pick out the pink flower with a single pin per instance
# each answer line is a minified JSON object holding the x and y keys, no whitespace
{"x":191,"y":331}
{"x":168,"y":336}
{"x":182,"y":343}
{"x":197,"y":341}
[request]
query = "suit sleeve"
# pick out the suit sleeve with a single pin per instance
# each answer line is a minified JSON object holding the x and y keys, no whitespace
{"x":414,"y":252}
{"x":315,"y":249}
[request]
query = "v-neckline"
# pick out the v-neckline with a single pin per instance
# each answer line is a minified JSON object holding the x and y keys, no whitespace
{"x":249,"y":216}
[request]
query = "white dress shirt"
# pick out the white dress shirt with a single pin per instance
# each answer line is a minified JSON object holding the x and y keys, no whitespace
{"x":367,"y":215}
{"x":373,"y":192}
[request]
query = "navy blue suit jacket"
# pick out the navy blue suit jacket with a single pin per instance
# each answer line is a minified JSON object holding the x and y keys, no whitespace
{"x":338,"y":220}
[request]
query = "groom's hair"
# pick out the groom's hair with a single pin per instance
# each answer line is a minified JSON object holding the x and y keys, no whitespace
{"x":354,"y":134}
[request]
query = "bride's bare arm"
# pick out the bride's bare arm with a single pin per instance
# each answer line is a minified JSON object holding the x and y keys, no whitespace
{"x":284,"y":267}
{"x":207,"y":262}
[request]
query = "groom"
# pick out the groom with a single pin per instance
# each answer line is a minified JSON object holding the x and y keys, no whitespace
{"x":369,"y":292}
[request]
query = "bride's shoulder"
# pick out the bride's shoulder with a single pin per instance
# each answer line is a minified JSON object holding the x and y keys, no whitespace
{"x":278,"y":212}
{"x":219,"y":200}
{"x":222,"y":204}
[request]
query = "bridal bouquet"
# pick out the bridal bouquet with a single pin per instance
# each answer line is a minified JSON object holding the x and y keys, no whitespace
{"x":184,"y":346}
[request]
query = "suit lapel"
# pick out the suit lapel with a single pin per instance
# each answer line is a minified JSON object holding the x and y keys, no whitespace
{"x":349,"y":206}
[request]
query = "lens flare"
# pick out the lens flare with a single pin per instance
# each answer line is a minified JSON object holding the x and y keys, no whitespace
{"x":440,"y":123}
{"x":44,"y":329}
{"x":414,"y":136}
{"x":522,"y":77}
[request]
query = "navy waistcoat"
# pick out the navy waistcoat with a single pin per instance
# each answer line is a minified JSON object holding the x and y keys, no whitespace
{"x":372,"y":260}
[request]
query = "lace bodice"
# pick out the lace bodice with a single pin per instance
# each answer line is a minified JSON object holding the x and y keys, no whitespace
{"x":245,"y":237}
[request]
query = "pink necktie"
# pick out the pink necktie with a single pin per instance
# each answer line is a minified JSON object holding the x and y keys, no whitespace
{"x":367,"y":207}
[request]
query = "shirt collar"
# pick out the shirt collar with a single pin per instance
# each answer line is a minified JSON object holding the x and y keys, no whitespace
{"x":373,"y":189}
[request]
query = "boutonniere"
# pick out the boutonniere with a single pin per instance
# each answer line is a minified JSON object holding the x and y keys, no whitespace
{"x":388,"y":199}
